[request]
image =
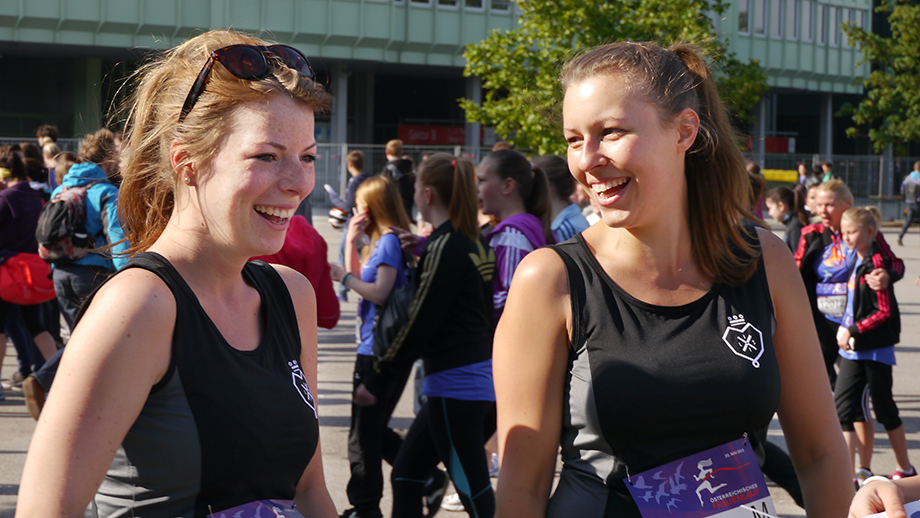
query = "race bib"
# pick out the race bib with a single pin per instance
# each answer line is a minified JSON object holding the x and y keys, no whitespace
{"x":260,"y":509}
{"x":723,"y":482}
{"x":832,"y":299}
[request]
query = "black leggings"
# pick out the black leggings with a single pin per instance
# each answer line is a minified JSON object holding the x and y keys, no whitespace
{"x":452,"y":431}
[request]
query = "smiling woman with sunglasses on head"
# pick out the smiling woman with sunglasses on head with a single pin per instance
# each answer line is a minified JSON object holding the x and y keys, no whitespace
{"x":187,"y":386}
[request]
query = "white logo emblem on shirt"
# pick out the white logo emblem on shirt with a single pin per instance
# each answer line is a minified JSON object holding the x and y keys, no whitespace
{"x":303,"y":388}
{"x":744,"y":339}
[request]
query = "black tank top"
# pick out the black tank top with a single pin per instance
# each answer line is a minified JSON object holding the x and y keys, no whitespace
{"x":650,"y":384}
{"x":224,"y":427}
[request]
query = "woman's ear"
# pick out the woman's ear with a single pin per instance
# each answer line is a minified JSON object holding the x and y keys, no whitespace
{"x":178,"y":158}
{"x":428,"y":195}
{"x":688,"y":126}
{"x":508,"y":186}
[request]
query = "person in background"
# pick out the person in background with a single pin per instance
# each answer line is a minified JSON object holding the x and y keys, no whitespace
{"x":20,"y":206}
{"x":450,"y":327}
{"x":620,"y":364}
{"x":354,"y":163}
{"x":517,"y":193}
{"x":910,"y":188}
{"x":304,"y":250}
{"x":827,"y":172}
{"x":566,"y":217}
{"x":50,"y":153}
{"x":46,"y":133}
{"x":399,"y":169}
{"x":213,"y":170}
{"x":758,"y":186}
{"x":868,"y":332}
{"x":785,"y":206}
{"x":373,"y":273}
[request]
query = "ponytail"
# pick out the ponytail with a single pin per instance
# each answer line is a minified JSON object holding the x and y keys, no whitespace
{"x":532,"y":185}
{"x":454,"y":180}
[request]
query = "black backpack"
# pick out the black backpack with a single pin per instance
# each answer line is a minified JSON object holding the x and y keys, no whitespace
{"x":61,"y":232}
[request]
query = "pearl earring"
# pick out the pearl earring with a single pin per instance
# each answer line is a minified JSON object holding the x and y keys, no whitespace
{"x":188,"y":181}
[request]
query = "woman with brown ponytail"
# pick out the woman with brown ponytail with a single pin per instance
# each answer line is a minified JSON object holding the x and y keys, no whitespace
{"x":656,"y":340}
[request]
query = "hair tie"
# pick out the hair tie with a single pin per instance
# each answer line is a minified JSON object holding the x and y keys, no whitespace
{"x":454,"y":163}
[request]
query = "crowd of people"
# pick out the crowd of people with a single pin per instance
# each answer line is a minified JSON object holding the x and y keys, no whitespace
{"x":668,"y":332}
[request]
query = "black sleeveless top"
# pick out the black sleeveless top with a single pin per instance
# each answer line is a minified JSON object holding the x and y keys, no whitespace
{"x":224,"y":427}
{"x":648,"y":384}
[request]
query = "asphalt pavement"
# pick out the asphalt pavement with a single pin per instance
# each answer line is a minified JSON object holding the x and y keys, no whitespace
{"x":336,"y":360}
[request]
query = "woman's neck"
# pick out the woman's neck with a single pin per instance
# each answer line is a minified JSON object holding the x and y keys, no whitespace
{"x":513,"y":207}
{"x":557,"y":205}
{"x":437,"y":215}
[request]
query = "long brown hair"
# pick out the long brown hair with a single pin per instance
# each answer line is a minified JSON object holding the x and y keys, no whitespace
{"x":384,"y":204}
{"x":147,"y":195}
{"x":718,"y":189}
{"x":454,"y":179}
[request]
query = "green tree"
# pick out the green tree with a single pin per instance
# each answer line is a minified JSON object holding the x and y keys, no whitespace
{"x":519,"y":68}
{"x":891,"y":105}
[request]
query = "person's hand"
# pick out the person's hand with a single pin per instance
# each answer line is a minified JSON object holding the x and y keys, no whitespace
{"x":338,"y":272}
{"x":843,"y":338}
{"x":407,"y":240}
{"x":878,"y":496}
{"x":363,"y":397}
{"x":357,"y":226}
{"x":878,"y":279}
{"x":425,"y":229}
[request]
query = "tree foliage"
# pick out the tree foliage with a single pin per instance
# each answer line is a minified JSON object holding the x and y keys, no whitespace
{"x":520,"y":68}
{"x":891,"y":105}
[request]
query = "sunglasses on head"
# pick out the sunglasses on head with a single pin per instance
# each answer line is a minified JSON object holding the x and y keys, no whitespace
{"x":246,"y":62}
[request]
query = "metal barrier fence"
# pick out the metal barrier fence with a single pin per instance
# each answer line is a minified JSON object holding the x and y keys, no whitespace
{"x":874,"y":180}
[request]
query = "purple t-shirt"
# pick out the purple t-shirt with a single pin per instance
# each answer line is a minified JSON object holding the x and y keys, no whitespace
{"x":511,"y":240}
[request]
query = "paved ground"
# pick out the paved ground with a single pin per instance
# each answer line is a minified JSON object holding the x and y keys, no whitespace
{"x":335,"y":370}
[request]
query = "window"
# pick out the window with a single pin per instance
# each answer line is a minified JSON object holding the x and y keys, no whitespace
{"x":792,"y":14}
{"x":473,"y":4}
{"x":744,"y":16}
{"x":776,"y":18}
{"x":845,"y":15}
{"x":822,"y":24}
{"x":808,"y":28}
{"x":501,"y":5}
{"x":760,"y":17}
{"x":833,"y":26}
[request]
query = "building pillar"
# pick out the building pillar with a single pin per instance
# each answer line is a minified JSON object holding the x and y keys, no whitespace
{"x":87,"y":95}
{"x":339,"y":82}
{"x":364,"y":108}
{"x":759,"y":138}
{"x":474,"y":129}
{"x":826,"y":131}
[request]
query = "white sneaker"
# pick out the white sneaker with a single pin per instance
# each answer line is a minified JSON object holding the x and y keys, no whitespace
{"x":493,"y":466}
{"x":452,"y":503}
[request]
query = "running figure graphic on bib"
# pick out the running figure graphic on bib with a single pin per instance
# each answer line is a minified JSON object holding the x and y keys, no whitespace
{"x":705,"y":476}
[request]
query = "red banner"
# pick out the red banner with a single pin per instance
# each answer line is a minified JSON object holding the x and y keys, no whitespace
{"x":432,"y":135}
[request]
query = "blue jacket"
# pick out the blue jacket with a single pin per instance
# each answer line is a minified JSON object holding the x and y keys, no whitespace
{"x":106,"y":226}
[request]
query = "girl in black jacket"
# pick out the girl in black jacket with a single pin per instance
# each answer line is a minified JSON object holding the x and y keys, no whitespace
{"x":871,"y":327}
{"x":450,"y":327}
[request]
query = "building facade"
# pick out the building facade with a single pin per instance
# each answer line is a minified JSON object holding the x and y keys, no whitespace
{"x":395,"y":66}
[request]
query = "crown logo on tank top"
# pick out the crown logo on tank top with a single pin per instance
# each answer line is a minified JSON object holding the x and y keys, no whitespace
{"x":303,"y":388}
{"x":744,"y":339}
